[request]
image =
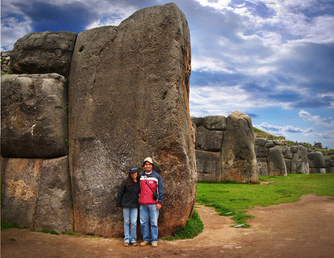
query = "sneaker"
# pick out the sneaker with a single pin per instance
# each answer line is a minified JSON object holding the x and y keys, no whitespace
{"x":144,"y":243}
{"x":134,"y":244}
{"x":154,"y":244}
{"x":126,"y":244}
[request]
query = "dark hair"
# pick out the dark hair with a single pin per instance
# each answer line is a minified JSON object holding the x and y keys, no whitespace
{"x":129,"y":181}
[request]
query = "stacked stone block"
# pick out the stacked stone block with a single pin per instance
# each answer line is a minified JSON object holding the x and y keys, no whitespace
{"x":225,"y":148}
{"x":209,"y":138}
{"x":270,"y":158}
{"x":329,"y":164}
{"x":296,"y":159}
{"x":36,"y":188}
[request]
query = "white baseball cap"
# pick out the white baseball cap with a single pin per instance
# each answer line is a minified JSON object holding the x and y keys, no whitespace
{"x":148,"y":159}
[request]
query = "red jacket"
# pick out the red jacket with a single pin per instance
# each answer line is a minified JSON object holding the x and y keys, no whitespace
{"x":148,"y":185}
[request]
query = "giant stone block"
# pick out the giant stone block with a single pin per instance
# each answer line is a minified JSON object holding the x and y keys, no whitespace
{"x":43,"y":52}
{"x":276,"y":162}
{"x":33,"y":116}
{"x":129,"y":97}
{"x":36,"y":193}
{"x":238,"y":150}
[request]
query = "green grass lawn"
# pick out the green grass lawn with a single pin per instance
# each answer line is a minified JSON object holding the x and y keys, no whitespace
{"x":232,"y":199}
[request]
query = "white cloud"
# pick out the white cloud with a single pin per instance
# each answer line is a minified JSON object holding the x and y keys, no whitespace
{"x":221,"y":100}
{"x":316,"y":119}
{"x":119,"y":11}
{"x":282,"y":130}
{"x":13,"y":29}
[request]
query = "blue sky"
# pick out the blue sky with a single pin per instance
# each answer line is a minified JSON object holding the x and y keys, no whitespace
{"x":272,"y":60}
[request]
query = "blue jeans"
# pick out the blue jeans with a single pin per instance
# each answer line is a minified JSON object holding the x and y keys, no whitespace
{"x":149,"y":216}
{"x":130,"y":219}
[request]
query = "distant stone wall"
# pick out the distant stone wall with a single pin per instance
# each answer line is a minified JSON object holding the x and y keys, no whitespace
{"x":270,"y":158}
{"x":5,"y":61}
{"x":329,"y":164}
{"x":225,"y":148}
{"x":297,"y":158}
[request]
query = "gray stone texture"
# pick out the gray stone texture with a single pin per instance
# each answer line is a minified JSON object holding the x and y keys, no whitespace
{"x":43,"y":52}
{"x":208,"y":165}
{"x":238,"y":152}
{"x":262,"y":166}
{"x":209,"y":140}
{"x":33,"y":116}
{"x":316,"y":162}
{"x":36,"y":193}
{"x":299,"y":162}
{"x":54,"y":206}
{"x":261,"y":151}
{"x":129,"y":95}
{"x":276,"y":162}
{"x":198,"y":121}
{"x":215,"y":123}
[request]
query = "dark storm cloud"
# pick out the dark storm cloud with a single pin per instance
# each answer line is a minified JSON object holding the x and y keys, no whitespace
{"x":47,"y":16}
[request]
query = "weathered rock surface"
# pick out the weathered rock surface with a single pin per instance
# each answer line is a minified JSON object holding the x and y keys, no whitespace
{"x":238,"y":152}
{"x":299,"y":162}
{"x":209,"y":140}
{"x":215,"y":123}
{"x":208,"y":165}
{"x":33,"y":116}
{"x":128,"y":95}
{"x":36,"y":193}
{"x":276,"y":162}
{"x":43,"y":52}
{"x":54,"y":206}
{"x":316,"y":162}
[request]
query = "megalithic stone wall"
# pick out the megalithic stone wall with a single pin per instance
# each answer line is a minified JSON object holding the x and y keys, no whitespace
{"x":129,"y":95}
{"x":225,"y":148}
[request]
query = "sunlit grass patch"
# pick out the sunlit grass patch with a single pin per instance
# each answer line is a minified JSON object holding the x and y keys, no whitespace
{"x":233,"y":199}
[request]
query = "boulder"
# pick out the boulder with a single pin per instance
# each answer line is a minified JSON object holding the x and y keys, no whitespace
{"x":215,"y":123}
{"x":36,"y":193}
{"x":269,"y":144}
{"x":276,"y":162}
{"x":208,"y":165}
{"x":260,"y":142}
{"x":129,"y":95}
{"x":54,"y":205}
{"x":33,"y":116}
{"x":43,"y":52}
{"x":238,"y":152}
{"x":19,"y":192}
{"x":299,"y":162}
{"x":316,"y":162}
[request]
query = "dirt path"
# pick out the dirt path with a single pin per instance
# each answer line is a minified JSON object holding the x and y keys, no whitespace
{"x":302,"y":229}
